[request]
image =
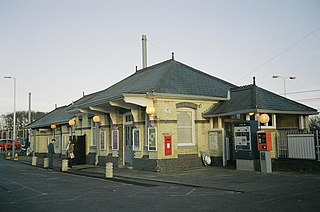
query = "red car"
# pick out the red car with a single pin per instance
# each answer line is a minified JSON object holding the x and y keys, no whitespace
{"x":8,"y":143}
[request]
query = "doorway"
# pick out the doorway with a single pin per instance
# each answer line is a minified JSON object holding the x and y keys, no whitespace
{"x":80,"y":150}
{"x":230,"y":152}
{"x":128,"y":145}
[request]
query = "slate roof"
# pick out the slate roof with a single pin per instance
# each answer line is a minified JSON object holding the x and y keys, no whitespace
{"x":57,"y":116}
{"x":252,"y":98}
{"x":168,"y":77}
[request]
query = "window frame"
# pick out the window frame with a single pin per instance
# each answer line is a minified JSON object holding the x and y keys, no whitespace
{"x":152,"y":148}
{"x":94,"y":138}
{"x":102,"y":140}
{"x":115,"y":140}
{"x":136,"y":142}
{"x":193,"y":128}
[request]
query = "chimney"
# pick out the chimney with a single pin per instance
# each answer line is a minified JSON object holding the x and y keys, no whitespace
{"x":144,"y":51}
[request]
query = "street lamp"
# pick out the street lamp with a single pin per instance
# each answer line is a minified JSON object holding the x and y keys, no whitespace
{"x":14,"y":112}
{"x":284,"y":82}
{"x":96,"y":119}
{"x":72,"y":122}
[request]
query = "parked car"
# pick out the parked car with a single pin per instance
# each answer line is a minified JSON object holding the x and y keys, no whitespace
{"x":8,"y":143}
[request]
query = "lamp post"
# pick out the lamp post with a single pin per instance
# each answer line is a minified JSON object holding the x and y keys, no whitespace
{"x":14,"y":113}
{"x":72,"y":122}
{"x":284,"y":82}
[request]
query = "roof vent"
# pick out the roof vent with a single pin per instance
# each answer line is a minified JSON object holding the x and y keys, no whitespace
{"x":172,"y":55}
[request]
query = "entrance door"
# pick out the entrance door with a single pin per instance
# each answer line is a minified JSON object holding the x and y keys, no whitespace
{"x":229,"y":144}
{"x":80,"y":150}
{"x":128,"y":145}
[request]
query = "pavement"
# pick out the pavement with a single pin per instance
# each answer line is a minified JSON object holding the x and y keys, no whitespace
{"x":219,"y":178}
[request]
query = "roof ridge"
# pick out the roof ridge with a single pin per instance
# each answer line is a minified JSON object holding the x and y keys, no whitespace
{"x":153,"y":66}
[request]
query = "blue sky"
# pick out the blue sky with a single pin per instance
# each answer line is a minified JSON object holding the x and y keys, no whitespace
{"x":59,"y":49}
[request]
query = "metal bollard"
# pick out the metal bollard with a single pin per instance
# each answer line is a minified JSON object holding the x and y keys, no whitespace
{"x":109,"y":170}
{"x":34,"y":161}
{"x":64,"y":165}
{"x":45,"y":163}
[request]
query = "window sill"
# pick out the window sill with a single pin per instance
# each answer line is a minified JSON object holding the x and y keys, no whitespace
{"x":267,"y":127}
{"x":187,"y":146}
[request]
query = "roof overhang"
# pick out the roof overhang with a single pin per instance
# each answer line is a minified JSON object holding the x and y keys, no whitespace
{"x":262,"y":111}
{"x":186,"y":97}
{"x":46,"y":125}
{"x":128,"y":99}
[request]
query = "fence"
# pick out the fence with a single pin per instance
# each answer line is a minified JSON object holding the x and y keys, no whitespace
{"x":298,"y":145}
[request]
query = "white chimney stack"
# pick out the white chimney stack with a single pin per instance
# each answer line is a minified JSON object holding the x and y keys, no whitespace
{"x":144,"y":51}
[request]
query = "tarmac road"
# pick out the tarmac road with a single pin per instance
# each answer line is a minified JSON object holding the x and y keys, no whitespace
{"x":27,"y":188}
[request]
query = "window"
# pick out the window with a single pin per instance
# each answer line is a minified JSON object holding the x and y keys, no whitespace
{"x":236,"y":116}
{"x":57,"y":143}
{"x":185,"y":127}
{"x":48,"y":140}
{"x":152,"y":139}
{"x":129,"y":118}
{"x":115,"y":139}
{"x":64,"y":143}
{"x":136,"y":139}
{"x":94,"y":128}
{"x":103,"y":139}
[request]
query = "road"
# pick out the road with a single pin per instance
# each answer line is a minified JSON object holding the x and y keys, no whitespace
{"x":27,"y":188}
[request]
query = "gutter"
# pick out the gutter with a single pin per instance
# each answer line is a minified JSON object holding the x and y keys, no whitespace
{"x":187,"y":97}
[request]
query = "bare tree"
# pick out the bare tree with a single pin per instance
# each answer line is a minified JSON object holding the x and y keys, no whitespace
{"x":314,"y":122}
{"x":21,"y":122}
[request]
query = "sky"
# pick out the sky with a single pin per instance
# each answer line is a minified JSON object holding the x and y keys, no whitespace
{"x":61,"y":49}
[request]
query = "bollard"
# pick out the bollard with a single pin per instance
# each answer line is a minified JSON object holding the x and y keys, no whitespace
{"x":9,"y":156}
{"x":64,"y":165}
{"x":16,"y":157}
{"x":109,"y":170}
{"x":45,"y":163}
{"x":34,"y":161}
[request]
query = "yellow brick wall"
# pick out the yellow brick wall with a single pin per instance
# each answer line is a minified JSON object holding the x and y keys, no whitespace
{"x":44,"y":136}
{"x":166,"y":111}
